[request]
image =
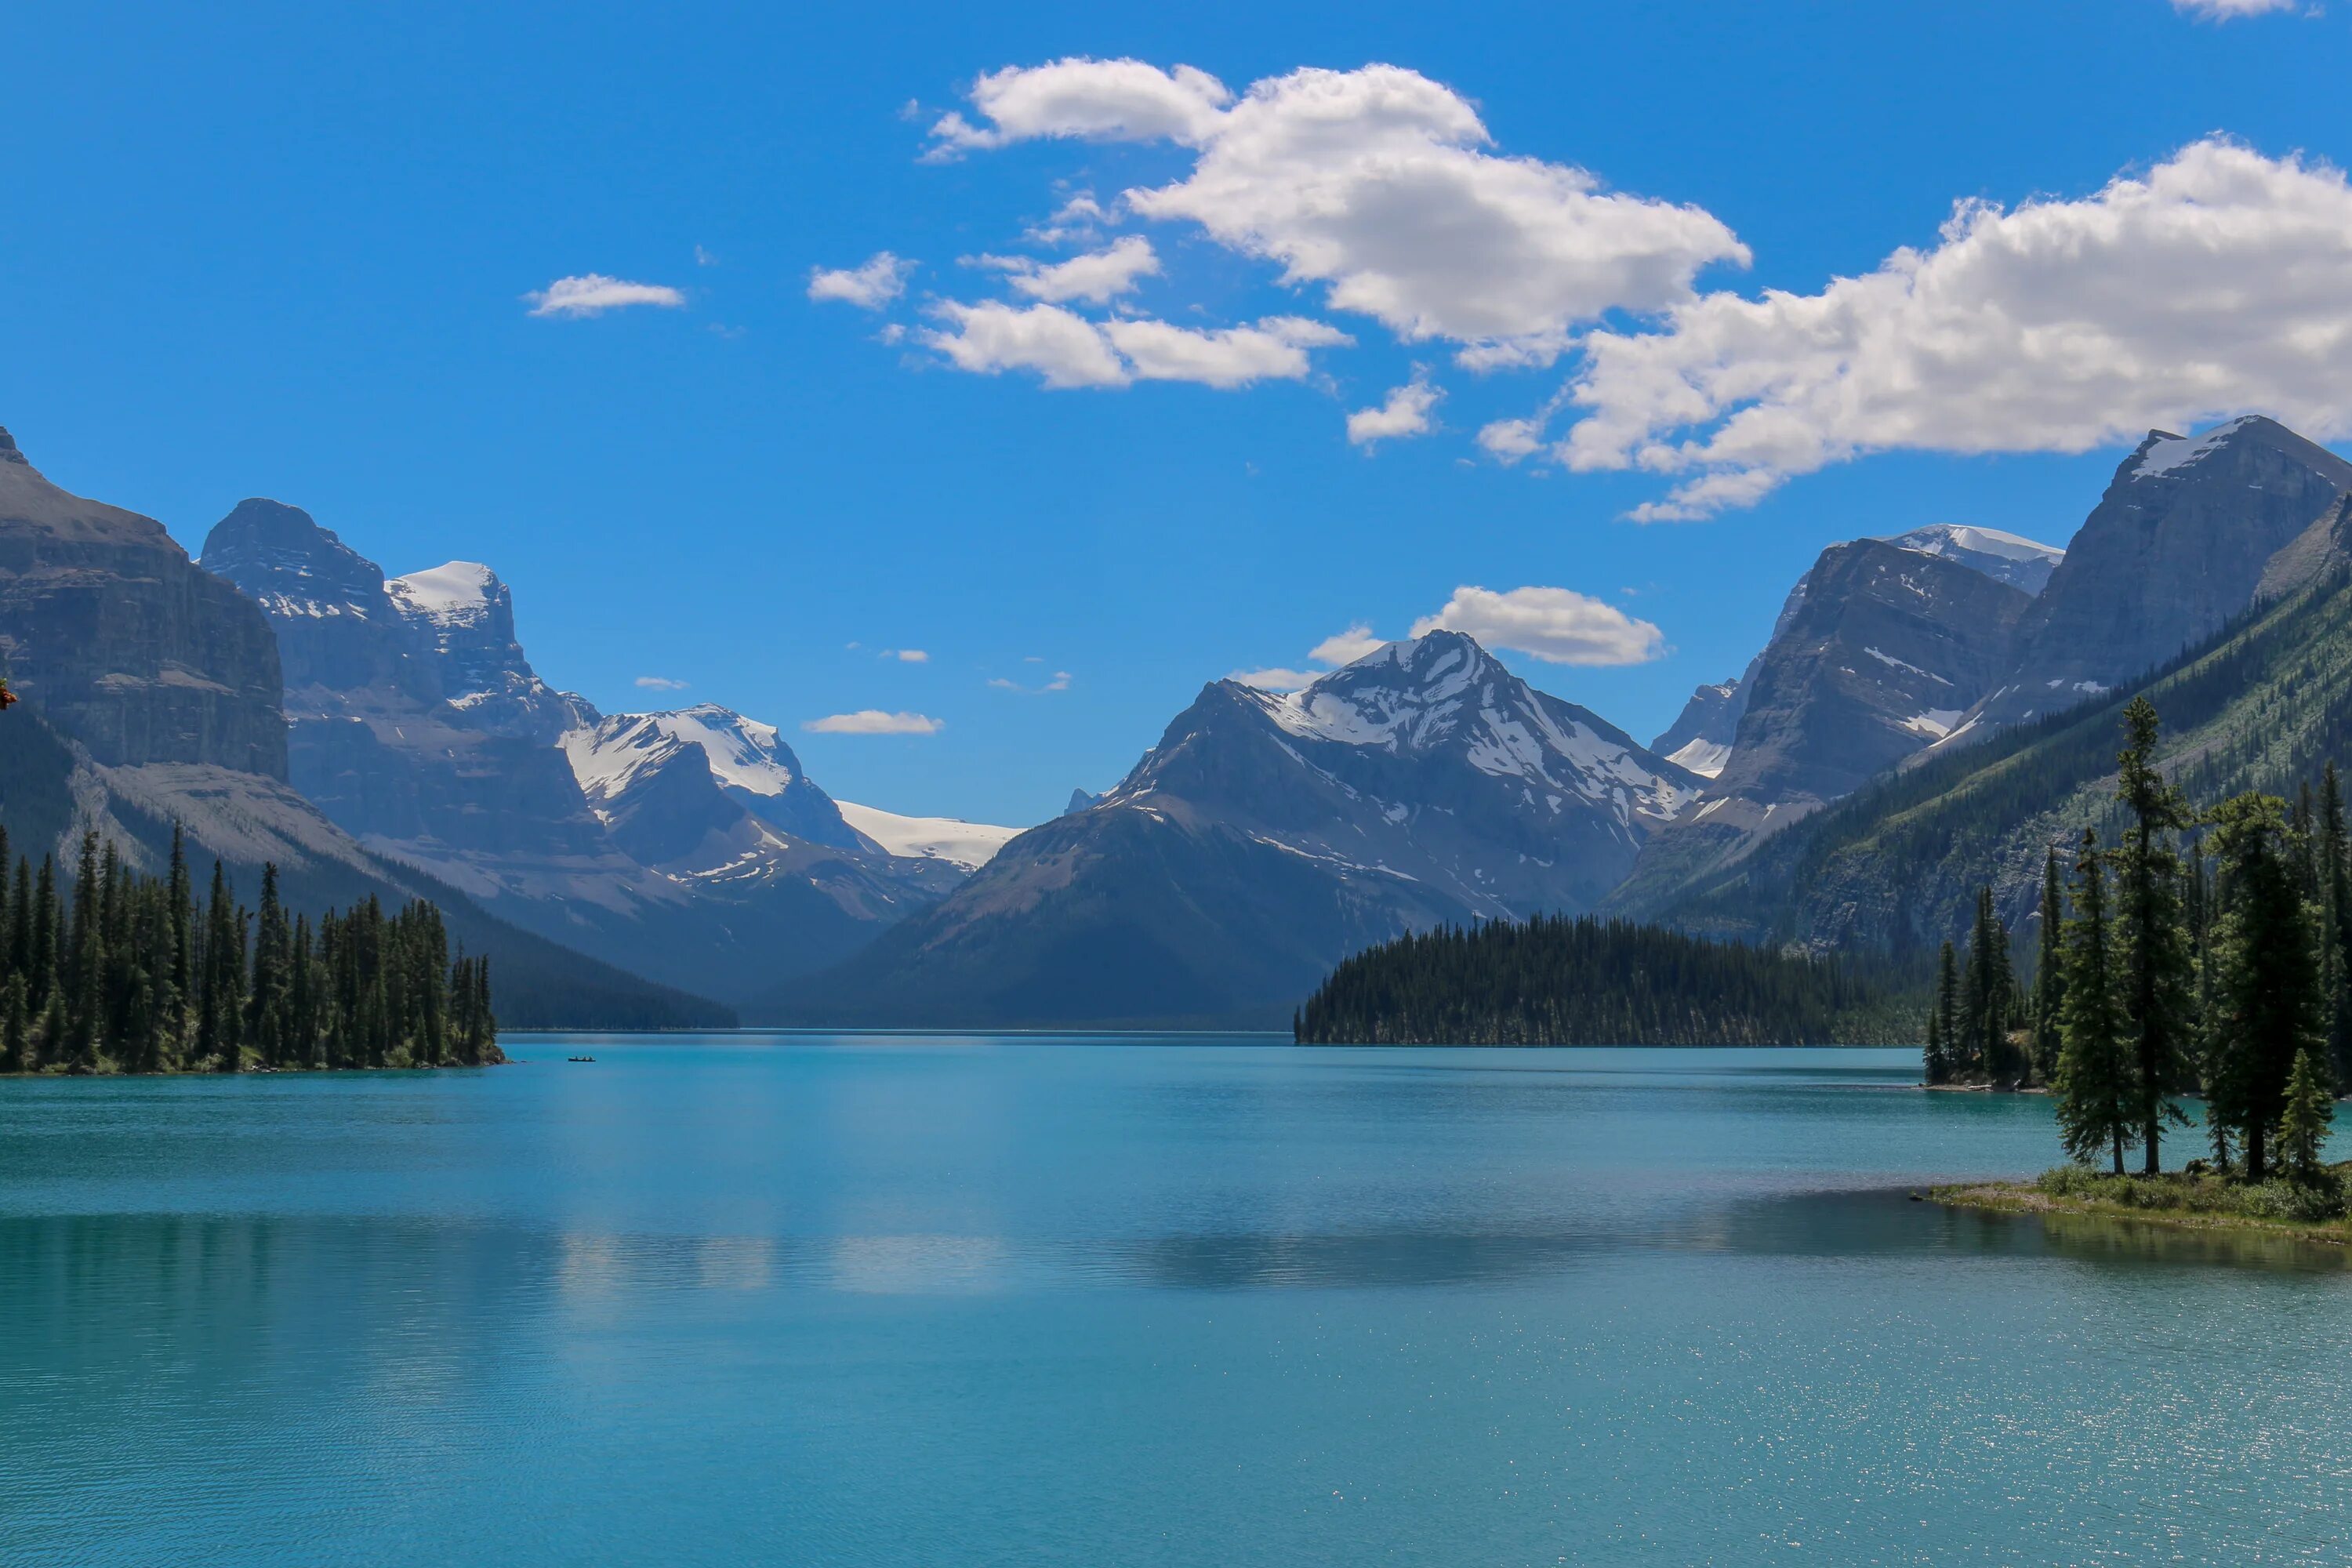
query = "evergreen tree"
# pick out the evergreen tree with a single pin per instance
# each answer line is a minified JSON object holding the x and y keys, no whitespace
{"x":2153,"y":964}
{"x":16,"y":1027}
{"x":2098,"y":1104}
{"x":1947,"y":1008}
{"x":2336,"y":924}
{"x":2049,"y":972}
{"x":2266,"y":1004}
{"x":1986,"y":995}
{"x":2309,"y":1107}
{"x":180,"y":900}
{"x":41,"y":973}
{"x":273,"y":961}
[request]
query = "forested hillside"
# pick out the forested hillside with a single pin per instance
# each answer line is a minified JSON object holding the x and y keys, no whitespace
{"x":1895,"y":868}
{"x":1553,"y":981}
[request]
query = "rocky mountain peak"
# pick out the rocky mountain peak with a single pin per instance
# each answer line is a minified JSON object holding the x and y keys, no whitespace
{"x":282,"y":559}
{"x":616,"y":758}
{"x":8,"y":453}
{"x":2007,"y":558}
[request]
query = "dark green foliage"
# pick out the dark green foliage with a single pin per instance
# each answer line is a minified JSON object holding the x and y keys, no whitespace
{"x":2266,"y":1007}
{"x":1944,"y":1051}
{"x":1985,"y":999}
{"x":1556,"y":981}
{"x":2049,"y":972}
{"x":2154,"y":969}
{"x":2097,"y":1101}
{"x":128,"y":976}
{"x":2302,"y":1123}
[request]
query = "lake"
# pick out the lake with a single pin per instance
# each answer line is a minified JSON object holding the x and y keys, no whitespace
{"x":944,"y":1299}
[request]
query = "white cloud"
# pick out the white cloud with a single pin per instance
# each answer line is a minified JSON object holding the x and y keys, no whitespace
{"x":2218,"y":282}
{"x":1277,"y":680}
{"x":2224,"y":10}
{"x":1377,"y":183}
{"x":1060,"y":682}
{"x":1060,"y":345}
{"x":593,"y":294}
{"x":872,"y":284}
{"x":704,"y":259}
{"x":1097,"y":276}
{"x":1068,"y":350}
{"x":1406,"y":412}
{"x":1075,"y":220}
{"x":1509,"y":440}
{"x":873,"y":721}
{"x":1347,"y":646}
{"x":907,"y":655}
{"x":1122,"y":99}
{"x":1557,"y":625}
{"x":660,"y":683}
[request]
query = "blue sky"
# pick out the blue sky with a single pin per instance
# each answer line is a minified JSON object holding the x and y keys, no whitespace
{"x":289,"y":250}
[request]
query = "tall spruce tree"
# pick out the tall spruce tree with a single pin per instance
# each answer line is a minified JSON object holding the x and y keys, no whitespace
{"x":2335,"y":925}
{"x":2154,"y":972}
{"x":2309,"y":1106}
{"x":1986,"y":994}
{"x":2098,"y":1104}
{"x":2049,"y":972}
{"x":1943,"y":1025}
{"x":2266,"y":1007}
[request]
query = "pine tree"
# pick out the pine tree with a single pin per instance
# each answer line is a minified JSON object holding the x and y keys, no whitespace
{"x":2309,"y":1107}
{"x":2097,"y":1101}
{"x":1986,"y":995}
{"x":2049,"y":972}
{"x":265,"y":1018}
{"x":219,"y":1033}
{"x":2336,"y":924}
{"x":2266,"y":1008}
{"x":2153,"y":965}
{"x":16,"y":1027}
{"x":1944,"y":1028}
{"x":180,"y":898}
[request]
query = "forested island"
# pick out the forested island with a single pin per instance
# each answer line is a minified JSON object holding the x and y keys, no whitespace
{"x":119,"y":972}
{"x":2201,"y":952}
{"x":1582,"y":981}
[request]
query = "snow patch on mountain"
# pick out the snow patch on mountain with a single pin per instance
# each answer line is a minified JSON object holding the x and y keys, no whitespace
{"x":1704,"y":757}
{"x":453,"y":591}
{"x":969,"y":845}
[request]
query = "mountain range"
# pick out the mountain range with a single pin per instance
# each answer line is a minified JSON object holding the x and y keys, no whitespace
{"x":288,"y":700}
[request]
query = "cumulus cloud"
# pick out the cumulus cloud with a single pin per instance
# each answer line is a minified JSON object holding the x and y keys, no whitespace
{"x":2225,"y":10}
{"x":1068,"y":350}
{"x":906,"y":655}
{"x":1406,"y":412}
{"x":1380,"y":185}
{"x":593,"y":294}
{"x":1074,"y":220}
{"x":660,"y":683}
{"x":872,"y":284}
{"x":873,"y":721}
{"x":1339,"y":649}
{"x":1557,"y":625}
{"x":1509,"y":440}
{"x":1347,"y":646}
{"x":1113,"y":100}
{"x":2218,"y":282}
{"x":1098,"y":276}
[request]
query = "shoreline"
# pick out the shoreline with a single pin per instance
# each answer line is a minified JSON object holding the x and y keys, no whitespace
{"x":2028,"y":1198}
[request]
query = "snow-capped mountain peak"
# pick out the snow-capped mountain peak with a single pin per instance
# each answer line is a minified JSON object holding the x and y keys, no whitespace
{"x":2164,"y":453}
{"x":2004,"y":557}
{"x":456,"y":591}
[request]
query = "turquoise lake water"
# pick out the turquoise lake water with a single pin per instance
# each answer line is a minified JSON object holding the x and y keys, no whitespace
{"x":934,"y":1300}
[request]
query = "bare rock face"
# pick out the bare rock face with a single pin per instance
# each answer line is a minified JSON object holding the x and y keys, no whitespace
{"x":2177,"y":546}
{"x":1882,"y":652}
{"x":109,"y":630}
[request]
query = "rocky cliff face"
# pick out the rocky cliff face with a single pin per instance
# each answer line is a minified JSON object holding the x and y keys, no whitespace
{"x":1879,"y":655}
{"x":1266,"y":836}
{"x":464,"y":616}
{"x":2175,"y":547}
{"x":107,"y":629}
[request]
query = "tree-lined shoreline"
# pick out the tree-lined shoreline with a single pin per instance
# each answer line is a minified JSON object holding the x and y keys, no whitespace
{"x":114,"y":971}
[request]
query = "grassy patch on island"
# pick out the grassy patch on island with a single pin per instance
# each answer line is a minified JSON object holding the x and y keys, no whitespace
{"x":2313,"y":1209}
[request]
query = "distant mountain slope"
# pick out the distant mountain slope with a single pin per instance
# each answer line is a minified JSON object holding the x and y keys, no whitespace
{"x":1265,"y":837}
{"x":152,"y":696}
{"x":1892,"y":869}
{"x":688,"y":847}
{"x":2175,"y":547}
{"x":1877,"y":657}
